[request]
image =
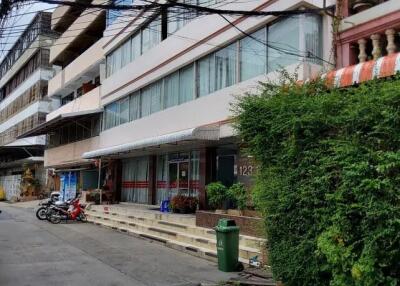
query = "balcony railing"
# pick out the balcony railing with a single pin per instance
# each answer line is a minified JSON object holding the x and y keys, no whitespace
{"x":21,"y":127}
{"x":377,"y":45}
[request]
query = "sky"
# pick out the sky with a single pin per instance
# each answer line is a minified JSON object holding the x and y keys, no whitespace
{"x":17,"y":19}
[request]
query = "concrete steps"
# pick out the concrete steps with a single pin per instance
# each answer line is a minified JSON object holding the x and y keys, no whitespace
{"x":175,"y":231}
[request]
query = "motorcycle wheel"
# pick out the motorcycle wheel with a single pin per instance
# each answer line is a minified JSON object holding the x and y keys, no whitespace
{"x":82,"y":217}
{"x":41,"y":213}
{"x":55,"y":218}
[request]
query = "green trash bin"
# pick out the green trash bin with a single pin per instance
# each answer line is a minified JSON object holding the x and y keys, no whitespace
{"x":227,"y":245}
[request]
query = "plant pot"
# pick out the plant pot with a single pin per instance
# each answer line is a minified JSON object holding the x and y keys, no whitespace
{"x":362,"y":5}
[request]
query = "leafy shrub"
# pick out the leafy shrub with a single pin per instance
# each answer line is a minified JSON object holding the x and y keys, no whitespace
{"x":217,"y":195}
{"x":238,"y":194}
{"x":328,"y":182}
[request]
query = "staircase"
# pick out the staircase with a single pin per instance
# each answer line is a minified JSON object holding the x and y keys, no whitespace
{"x":173,"y":230}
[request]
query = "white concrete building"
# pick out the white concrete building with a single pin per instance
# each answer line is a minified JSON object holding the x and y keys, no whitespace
{"x":171,"y":77}
{"x":24,"y":73}
{"x":163,"y":83}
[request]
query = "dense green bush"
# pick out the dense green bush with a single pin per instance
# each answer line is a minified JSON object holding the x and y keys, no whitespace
{"x":239,"y":195}
{"x":217,"y":195}
{"x":329,"y":180}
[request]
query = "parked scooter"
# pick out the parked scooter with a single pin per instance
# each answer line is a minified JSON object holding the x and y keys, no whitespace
{"x":42,"y":211}
{"x":75,"y":212}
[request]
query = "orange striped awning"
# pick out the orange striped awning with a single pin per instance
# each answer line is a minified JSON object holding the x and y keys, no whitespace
{"x":383,"y":67}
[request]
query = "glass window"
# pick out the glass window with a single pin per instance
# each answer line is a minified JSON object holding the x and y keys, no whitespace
{"x":225,"y":64}
{"x":171,"y":90}
{"x":135,"y":46}
{"x":151,"y":98}
{"x":125,"y":53}
{"x":312,"y":36}
{"x":151,"y":35}
{"x":283,"y":38}
{"x":111,"y":118}
{"x":186,"y":80}
{"x":124,"y":110}
{"x":179,"y":17}
{"x":253,"y":55}
{"x":206,"y":75}
{"x":134,"y":106}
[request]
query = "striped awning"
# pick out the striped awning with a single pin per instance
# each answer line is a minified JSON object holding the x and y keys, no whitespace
{"x":383,"y":67}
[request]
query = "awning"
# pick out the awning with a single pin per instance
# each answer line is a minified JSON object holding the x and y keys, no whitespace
{"x":29,"y":160}
{"x":59,"y":121}
{"x":204,"y":133}
{"x":383,"y":67}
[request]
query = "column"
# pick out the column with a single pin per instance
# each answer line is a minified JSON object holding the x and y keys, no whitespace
{"x":207,"y":173}
{"x":391,"y":46}
{"x":152,"y":180}
{"x":362,"y":56}
{"x":376,"y":51}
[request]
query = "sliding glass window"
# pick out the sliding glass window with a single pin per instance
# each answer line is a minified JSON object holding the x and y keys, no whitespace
{"x":134,"y":106}
{"x":225,"y":64}
{"x":186,"y":84}
{"x":151,"y":35}
{"x":253,"y":55}
{"x":283,"y":43}
{"x":206,"y":75}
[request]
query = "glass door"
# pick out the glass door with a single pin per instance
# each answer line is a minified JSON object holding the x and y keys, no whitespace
{"x":183,"y":168}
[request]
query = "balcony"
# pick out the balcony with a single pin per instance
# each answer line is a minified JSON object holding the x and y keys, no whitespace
{"x":358,"y":6}
{"x":63,"y":16}
{"x":77,"y":72}
{"x":86,"y":30}
{"x":70,"y":153}
{"x":88,"y":101}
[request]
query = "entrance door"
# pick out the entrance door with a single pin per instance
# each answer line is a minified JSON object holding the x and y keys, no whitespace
{"x":183,"y":169}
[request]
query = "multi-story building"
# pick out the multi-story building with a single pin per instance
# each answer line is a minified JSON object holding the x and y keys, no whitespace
{"x":163,"y":83}
{"x":171,"y":77}
{"x":73,"y":128}
{"x":24,"y":75}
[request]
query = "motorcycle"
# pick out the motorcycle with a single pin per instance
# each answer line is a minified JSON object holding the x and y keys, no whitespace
{"x":42,"y":211}
{"x":74,"y":212}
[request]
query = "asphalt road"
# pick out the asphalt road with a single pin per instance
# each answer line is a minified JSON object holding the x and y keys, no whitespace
{"x":34,"y":252}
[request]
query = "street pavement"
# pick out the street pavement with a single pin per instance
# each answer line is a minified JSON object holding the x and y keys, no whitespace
{"x":34,"y":252}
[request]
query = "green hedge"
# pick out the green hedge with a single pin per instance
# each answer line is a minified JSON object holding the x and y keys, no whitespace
{"x":329,"y":180}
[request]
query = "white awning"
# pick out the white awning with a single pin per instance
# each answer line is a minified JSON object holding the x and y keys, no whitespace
{"x":208,"y":133}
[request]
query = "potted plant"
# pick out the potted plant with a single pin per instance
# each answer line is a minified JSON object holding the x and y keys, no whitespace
{"x":184,"y":204}
{"x":238,"y":194}
{"x":217,"y":195}
{"x":361,"y":5}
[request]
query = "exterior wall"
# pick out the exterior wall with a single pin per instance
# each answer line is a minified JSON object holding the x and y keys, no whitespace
{"x":88,"y":101}
{"x":89,"y":59}
{"x":205,"y":110}
{"x":69,"y":153}
{"x":206,"y":33}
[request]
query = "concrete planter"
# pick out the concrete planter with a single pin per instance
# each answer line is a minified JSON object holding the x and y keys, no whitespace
{"x":249,"y":223}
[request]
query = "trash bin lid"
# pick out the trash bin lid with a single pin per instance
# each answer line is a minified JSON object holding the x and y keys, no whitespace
{"x":225,"y":225}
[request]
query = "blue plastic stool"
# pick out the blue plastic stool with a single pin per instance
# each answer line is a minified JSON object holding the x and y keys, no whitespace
{"x":164,"y":207}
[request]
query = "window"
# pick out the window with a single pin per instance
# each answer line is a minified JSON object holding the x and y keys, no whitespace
{"x":136,"y":49}
{"x":151,"y":35}
{"x":253,"y":55}
{"x":171,"y":90}
{"x":112,"y":15}
{"x":206,"y":75}
{"x":312,"y":36}
{"x":124,"y":110}
{"x":225,"y":64}
{"x":179,"y":17}
{"x":111,"y":115}
{"x":134,"y":106}
{"x":186,"y":84}
{"x":151,"y":98}
{"x":283,"y":37}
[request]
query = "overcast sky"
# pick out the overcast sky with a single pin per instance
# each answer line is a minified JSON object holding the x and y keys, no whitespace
{"x":13,"y":25}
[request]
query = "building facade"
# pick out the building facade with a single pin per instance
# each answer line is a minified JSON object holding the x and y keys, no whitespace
{"x":157,"y":88}
{"x":24,"y":75}
{"x":72,"y":129}
{"x":171,"y":77}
